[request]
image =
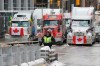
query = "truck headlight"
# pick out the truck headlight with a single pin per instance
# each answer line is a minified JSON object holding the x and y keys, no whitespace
{"x":69,"y":35}
{"x":58,"y":35}
{"x":89,"y":35}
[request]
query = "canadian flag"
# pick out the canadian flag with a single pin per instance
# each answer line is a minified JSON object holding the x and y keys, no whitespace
{"x":79,"y":39}
{"x":16,"y":31}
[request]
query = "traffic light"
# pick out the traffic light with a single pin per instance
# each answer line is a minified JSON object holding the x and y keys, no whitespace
{"x":58,"y":3}
{"x":78,"y":2}
{"x":51,"y":1}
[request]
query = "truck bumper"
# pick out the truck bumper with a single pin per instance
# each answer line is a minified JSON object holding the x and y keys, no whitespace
{"x":10,"y":38}
{"x":58,"y":40}
{"x":88,"y":41}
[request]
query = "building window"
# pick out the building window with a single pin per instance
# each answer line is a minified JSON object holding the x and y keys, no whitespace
{"x":15,"y":4}
{"x":29,"y":7}
{"x":5,"y":1}
{"x":41,"y":3}
{"x":22,"y":5}
{"x":5,"y":4}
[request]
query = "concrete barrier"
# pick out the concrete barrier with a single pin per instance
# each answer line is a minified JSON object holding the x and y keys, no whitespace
{"x":44,"y":52}
{"x":15,"y":55}
{"x":57,"y":63}
{"x":38,"y":62}
{"x":53,"y":55}
{"x":31,"y":63}
{"x":24,"y":64}
{"x":14,"y":65}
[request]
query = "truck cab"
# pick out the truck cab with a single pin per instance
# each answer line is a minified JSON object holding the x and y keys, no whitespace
{"x":20,"y":27}
{"x":82,"y":26}
{"x":53,"y":22}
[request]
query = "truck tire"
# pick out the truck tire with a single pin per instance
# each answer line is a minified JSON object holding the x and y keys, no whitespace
{"x":98,"y":39}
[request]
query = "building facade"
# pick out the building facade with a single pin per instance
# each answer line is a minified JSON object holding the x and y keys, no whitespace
{"x":10,"y":7}
{"x":16,"y":4}
{"x":98,"y":5}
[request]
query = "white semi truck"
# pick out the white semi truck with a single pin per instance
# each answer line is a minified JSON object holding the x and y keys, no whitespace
{"x":82,"y":26}
{"x":20,"y":26}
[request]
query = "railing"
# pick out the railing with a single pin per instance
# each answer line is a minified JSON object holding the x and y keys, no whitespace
{"x":16,"y":53}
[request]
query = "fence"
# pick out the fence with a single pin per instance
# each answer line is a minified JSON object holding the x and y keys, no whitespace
{"x":15,"y":55}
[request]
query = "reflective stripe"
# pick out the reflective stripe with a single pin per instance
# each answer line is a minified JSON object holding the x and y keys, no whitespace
{"x":47,"y":39}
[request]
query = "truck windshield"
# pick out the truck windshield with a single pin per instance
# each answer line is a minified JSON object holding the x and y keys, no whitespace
{"x":82,"y":23}
{"x":49,"y":22}
{"x":20,"y":24}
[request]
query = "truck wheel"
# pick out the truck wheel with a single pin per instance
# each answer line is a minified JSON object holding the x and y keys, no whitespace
{"x":40,"y":43}
{"x":88,"y":44}
{"x":99,"y":39}
{"x":94,"y":41}
{"x":64,"y":39}
{"x":60,"y":43}
{"x":70,"y":44}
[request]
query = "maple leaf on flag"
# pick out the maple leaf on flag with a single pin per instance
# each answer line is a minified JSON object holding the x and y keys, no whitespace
{"x":79,"y":39}
{"x":15,"y":30}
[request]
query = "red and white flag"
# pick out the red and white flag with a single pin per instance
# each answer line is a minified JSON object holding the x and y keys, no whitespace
{"x":79,"y":39}
{"x":16,"y":31}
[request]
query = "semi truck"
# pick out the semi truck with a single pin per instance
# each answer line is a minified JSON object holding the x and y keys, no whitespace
{"x":52,"y":21}
{"x":82,"y":26}
{"x":20,"y":27}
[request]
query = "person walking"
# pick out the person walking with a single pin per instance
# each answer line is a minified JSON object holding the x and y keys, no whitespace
{"x":48,"y":40}
{"x":31,"y":36}
{"x":33,"y":31}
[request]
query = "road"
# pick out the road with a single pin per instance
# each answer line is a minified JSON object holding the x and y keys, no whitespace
{"x":79,"y":55}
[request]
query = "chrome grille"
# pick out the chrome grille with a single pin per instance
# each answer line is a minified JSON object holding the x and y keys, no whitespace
{"x":79,"y":34}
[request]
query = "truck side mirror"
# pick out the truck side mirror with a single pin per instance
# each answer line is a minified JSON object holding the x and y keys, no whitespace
{"x":90,"y":29}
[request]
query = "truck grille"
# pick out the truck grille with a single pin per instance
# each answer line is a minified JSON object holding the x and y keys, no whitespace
{"x":49,"y":29}
{"x":79,"y":34}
